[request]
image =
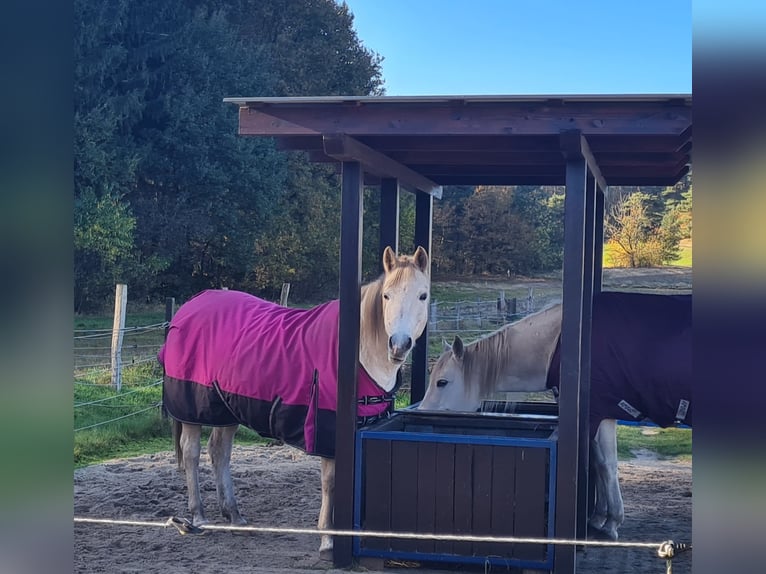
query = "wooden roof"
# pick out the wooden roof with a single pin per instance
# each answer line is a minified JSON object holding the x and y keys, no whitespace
{"x":430,"y":141}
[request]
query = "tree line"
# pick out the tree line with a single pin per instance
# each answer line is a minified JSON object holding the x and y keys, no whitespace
{"x":171,"y":201}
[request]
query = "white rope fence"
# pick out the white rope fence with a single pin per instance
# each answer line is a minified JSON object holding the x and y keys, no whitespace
{"x":666,"y":549}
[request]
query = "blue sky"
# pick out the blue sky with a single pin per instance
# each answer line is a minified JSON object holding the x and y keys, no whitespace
{"x":445,"y":47}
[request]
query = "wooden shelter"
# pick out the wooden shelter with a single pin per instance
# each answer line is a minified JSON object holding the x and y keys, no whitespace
{"x":424,"y":143}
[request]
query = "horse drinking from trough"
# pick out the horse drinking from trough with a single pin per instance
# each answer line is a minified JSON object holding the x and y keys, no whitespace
{"x":641,"y":368}
{"x":231,"y":358}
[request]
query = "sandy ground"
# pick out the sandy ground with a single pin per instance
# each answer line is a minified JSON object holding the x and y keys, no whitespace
{"x":279,"y":486}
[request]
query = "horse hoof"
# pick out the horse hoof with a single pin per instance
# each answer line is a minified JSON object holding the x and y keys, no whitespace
{"x":326,"y":554}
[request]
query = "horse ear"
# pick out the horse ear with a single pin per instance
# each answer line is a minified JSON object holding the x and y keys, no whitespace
{"x":421,"y":259}
{"x":389,"y":259}
{"x":457,"y":347}
{"x":445,"y":345}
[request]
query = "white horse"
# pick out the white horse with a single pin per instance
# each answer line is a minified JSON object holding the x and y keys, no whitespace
{"x":394,"y":312}
{"x":637,"y":339}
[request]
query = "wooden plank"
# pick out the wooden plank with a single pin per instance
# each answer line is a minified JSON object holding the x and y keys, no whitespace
{"x":503,"y":497}
{"x":444,"y":492}
{"x":489,"y":118}
{"x":426,"y":479}
{"x":404,"y":492}
{"x":348,"y":356}
{"x":530,"y":518}
{"x":464,"y":494}
{"x":377,"y":504}
{"x":599,"y":143}
{"x":345,"y":148}
{"x":482,"y":497}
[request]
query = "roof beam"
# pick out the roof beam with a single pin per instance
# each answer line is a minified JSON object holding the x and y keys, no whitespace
{"x":482,"y":118}
{"x":345,"y":148}
{"x":573,"y":146}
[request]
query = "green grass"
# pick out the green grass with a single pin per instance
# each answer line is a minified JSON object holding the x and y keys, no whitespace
{"x":666,"y":443}
{"x":685,"y":257}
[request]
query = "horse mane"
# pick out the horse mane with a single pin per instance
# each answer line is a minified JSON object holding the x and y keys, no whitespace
{"x":371,"y":312}
{"x":487,"y":358}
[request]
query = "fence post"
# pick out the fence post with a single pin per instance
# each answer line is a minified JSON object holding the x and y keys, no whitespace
{"x":170,"y":310}
{"x":284,"y":294}
{"x":120,"y":303}
{"x":510,"y":309}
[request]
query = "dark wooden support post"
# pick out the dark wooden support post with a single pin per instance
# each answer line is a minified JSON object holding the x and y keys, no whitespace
{"x":348,"y":355}
{"x":574,"y":329}
{"x":598,"y":242}
{"x":585,"y":487}
{"x":389,"y":216}
{"x":423,"y":217}
{"x":598,"y":267}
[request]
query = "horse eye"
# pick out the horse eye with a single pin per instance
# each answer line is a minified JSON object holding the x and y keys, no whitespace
{"x":385,"y":296}
{"x":423,"y":296}
{"x":442,"y":383}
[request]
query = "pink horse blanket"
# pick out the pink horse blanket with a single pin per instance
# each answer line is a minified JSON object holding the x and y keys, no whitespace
{"x":641,"y":359}
{"x":232,"y":358}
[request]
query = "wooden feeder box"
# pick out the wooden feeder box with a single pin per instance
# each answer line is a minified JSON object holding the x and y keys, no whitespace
{"x":470,"y":474}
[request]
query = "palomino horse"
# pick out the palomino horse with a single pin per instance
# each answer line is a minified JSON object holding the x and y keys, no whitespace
{"x":640,"y":369}
{"x":231,"y":358}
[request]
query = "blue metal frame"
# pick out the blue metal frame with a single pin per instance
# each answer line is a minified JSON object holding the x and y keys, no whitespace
{"x":408,"y":436}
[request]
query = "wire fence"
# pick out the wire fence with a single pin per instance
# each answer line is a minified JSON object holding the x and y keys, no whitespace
{"x":473,"y":319}
{"x":130,"y":353}
{"x":98,"y":402}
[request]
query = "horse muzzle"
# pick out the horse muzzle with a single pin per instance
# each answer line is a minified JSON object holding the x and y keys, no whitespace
{"x":398,"y":348}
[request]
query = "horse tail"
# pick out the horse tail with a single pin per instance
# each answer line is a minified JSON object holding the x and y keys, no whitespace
{"x":177,"y":428}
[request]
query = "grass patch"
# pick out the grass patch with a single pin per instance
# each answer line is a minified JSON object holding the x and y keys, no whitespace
{"x":667,"y":443}
{"x":685,"y":255}
{"x":97,"y":403}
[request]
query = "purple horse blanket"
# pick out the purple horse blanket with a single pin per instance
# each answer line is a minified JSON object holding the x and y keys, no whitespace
{"x":232,"y":358}
{"x":641,"y":359}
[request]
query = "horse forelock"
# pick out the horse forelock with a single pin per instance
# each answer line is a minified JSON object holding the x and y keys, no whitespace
{"x":403,"y":271}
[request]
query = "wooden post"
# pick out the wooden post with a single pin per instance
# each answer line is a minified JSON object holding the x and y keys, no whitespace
{"x":510,"y":309}
{"x":501,"y":305}
{"x":530,"y":301}
{"x":423,"y":223}
{"x":348,"y":356}
{"x":170,"y":310}
{"x":284,"y":294}
{"x":120,"y":303}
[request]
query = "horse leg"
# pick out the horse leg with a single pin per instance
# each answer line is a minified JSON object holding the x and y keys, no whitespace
{"x":325,"y":512}
{"x":615,"y":514}
{"x":219,"y":447}
{"x":598,"y":474}
{"x":190,"y":449}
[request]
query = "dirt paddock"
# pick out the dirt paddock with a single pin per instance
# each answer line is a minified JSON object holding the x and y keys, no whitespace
{"x":279,"y":486}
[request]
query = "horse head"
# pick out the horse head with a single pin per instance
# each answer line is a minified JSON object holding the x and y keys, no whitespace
{"x":405,"y":292}
{"x":447,"y":386}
